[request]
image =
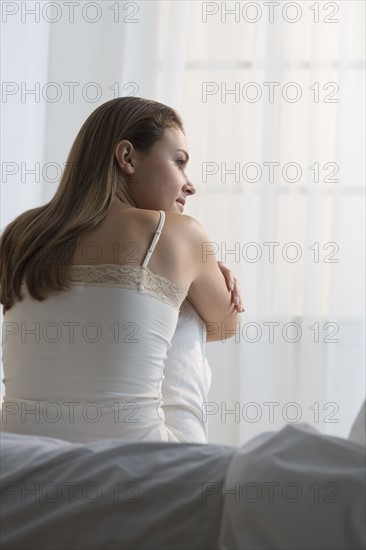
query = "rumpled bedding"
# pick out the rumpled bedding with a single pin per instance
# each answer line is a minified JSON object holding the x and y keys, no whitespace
{"x":293,"y":489}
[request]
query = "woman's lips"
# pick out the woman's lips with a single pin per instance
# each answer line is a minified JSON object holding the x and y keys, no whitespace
{"x":180,"y":206}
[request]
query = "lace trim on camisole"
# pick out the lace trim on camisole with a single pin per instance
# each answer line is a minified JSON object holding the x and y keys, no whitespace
{"x":126,"y":276}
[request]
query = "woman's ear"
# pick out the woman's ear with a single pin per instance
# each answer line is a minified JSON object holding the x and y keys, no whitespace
{"x":124,"y":154}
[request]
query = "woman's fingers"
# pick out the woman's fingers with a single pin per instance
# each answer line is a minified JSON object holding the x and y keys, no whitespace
{"x":233,"y":286}
{"x":236,"y":297}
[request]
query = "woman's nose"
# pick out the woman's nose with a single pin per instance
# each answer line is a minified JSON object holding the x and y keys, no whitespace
{"x":189,"y":188}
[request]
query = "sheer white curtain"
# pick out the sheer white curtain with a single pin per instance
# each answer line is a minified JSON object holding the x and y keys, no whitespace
{"x":272,"y":96}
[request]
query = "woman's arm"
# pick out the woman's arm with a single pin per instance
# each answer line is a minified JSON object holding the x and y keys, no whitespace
{"x":208,"y":292}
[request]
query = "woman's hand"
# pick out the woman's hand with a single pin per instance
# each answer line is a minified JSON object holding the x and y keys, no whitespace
{"x":233,"y":286}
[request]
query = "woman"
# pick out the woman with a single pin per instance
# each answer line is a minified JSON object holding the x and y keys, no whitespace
{"x":115,"y":260}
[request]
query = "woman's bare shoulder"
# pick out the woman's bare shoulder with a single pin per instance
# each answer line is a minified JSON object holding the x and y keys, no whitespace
{"x":186,"y":224}
{"x":150,"y":219}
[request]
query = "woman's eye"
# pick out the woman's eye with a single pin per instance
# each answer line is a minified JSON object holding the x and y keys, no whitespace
{"x":181,"y":162}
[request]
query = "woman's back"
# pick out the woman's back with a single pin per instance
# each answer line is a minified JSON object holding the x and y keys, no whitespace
{"x":87,"y":363}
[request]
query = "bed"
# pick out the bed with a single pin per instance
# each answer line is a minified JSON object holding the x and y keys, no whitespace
{"x":292,"y":489}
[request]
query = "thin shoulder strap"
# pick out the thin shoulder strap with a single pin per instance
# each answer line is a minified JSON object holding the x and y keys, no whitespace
{"x":155,"y":239}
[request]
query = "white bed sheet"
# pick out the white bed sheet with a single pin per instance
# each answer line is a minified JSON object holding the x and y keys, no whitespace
{"x":186,"y":494}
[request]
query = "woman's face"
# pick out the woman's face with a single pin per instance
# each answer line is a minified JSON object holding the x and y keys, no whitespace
{"x":157,"y":180}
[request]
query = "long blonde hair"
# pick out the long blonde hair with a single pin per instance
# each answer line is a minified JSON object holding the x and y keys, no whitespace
{"x":40,"y":243}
